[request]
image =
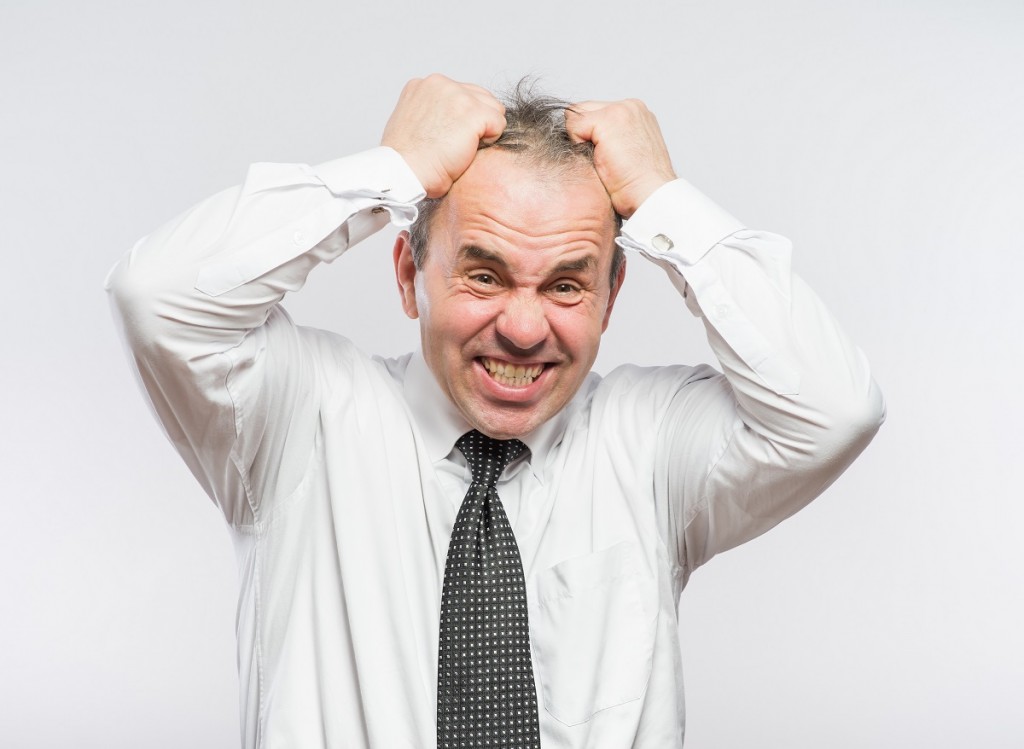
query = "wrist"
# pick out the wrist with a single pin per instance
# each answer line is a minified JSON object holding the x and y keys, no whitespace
{"x":427,"y":175}
{"x":628,"y":200}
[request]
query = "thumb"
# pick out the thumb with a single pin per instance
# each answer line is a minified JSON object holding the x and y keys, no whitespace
{"x":579,"y":123}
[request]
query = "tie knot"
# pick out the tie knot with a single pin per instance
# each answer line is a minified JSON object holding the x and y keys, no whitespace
{"x":488,"y":457}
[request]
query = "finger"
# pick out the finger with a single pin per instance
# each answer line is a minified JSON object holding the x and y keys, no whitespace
{"x":580,"y":124}
{"x":478,"y":92}
{"x":487,"y":99}
{"x":492,"y":106}
{"x":476,"y":89}
{"x":493,"y":128}
{"x":588,"y":106}
{"x":493,"y":112}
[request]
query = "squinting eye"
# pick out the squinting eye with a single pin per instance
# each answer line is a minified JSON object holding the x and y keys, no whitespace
{"x":565,"y":292}
{"x":483,"y":278}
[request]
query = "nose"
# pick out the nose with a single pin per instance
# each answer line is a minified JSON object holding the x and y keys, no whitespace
{"x":522,"y":326}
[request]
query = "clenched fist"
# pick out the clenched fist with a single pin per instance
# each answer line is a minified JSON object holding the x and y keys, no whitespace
{"x":630,"y":155}
{"x":437,"y":127}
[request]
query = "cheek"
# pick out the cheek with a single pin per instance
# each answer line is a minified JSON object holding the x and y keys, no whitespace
{"x":578,"y":324}
{"x":458,"y":321}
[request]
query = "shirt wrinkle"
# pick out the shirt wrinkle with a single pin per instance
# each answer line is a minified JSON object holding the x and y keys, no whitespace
{"x":348,"y":470}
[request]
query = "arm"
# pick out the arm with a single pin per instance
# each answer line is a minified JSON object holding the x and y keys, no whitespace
{"x":197,"y":303}
{"x":796,"y":402}
{"x":229,"y":377}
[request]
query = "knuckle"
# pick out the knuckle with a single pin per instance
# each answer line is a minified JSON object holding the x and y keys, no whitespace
{"x":636,"y":108}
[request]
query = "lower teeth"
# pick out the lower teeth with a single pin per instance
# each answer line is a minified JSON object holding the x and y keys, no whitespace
{"x":512,"y":381}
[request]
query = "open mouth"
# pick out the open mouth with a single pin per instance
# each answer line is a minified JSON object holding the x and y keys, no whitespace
{"x":511,"y":375}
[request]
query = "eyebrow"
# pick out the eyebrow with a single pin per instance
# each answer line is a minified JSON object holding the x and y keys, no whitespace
{"x":587,"y":262}
{"x":479,"y":253}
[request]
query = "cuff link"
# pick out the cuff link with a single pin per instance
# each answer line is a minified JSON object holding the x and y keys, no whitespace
{"x":661,"y":243}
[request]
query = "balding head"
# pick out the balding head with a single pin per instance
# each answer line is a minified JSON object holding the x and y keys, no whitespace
{"x":535,"y":133}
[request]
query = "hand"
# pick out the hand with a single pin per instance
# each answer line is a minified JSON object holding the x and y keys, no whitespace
{"x":629,"y":152}
{"x":437,"y":127}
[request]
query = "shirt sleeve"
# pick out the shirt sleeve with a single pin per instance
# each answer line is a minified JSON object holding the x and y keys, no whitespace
{"x":795,"y":403}
{"x":228,"y":375}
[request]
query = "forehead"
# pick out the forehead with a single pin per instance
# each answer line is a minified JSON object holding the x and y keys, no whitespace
{"x":504,"y":201}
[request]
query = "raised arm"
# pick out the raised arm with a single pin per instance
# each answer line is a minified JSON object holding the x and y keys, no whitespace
{"x":797,"y":402}
{"x":229,"y":377}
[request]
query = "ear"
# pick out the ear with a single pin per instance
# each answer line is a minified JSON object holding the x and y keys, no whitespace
{"x":619,"y":278}
{"x":405,"y":274}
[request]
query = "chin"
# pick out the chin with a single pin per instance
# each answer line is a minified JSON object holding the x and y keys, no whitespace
{"x":506,"y":426}
{"x":503,"y":432}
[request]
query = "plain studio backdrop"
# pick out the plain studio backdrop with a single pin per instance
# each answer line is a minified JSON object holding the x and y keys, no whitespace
{"x":884,"y":138}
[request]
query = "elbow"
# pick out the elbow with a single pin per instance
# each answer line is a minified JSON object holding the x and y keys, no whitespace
{"x":147,"y":300}
{"x":852,"y":425}
{"x":122,"y":286}
{"x":869,"y":415}
{"x":132,"y":294}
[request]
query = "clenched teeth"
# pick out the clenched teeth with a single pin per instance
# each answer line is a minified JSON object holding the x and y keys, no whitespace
{"x":512,"y":375}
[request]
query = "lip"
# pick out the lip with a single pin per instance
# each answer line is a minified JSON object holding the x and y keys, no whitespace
{"x":512,"y":393}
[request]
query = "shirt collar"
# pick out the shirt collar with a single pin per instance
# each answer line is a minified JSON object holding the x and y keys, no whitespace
{"x":441,"y":423}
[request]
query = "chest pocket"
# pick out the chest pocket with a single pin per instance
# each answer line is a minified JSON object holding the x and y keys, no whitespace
{"x":593,"y":629}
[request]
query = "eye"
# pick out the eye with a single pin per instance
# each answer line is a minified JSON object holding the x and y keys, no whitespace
{"x":483,"y":282}
{"x":566,"y":292}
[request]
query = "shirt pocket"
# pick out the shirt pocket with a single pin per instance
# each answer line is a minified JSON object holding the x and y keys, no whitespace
{"x":593,"y":633}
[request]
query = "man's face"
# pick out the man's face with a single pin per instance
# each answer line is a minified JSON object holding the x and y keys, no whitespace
{"x":514,"y":293}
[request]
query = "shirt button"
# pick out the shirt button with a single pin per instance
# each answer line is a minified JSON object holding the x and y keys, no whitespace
{"x":722,"y":310}
{"x":297,"y":238}
{"x":661,"y":243}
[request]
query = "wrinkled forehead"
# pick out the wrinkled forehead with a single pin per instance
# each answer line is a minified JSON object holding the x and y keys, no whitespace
{"x":503,"y":189}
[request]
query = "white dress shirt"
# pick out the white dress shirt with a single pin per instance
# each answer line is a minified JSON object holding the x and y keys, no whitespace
{"x":337,"y":475}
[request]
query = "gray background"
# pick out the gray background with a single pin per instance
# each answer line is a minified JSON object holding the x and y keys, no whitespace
{"x":884,"y":138}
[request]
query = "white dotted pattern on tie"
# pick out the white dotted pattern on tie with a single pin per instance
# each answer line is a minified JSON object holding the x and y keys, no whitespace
{"x":485,"y":689}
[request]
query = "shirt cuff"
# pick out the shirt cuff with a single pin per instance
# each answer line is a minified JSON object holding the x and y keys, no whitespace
{"x":379,"y":172}
{"x":676,"y":228}
{"x":359,"y":189}
{"x":679,"y":220}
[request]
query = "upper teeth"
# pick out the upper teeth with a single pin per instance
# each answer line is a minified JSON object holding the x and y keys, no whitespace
{"x":509,"y":373}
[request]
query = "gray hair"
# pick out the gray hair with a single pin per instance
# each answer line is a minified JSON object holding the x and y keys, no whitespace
{"x":535,"y":132}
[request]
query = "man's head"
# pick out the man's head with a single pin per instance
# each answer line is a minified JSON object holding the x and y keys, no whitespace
{"x":514,"y":272}
{"x":535,"y":132}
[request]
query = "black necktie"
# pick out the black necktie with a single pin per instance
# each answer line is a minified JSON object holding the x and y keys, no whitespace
{"x":485,"y":690}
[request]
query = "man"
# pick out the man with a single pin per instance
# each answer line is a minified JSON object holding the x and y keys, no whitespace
{"x":342,"y":475}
